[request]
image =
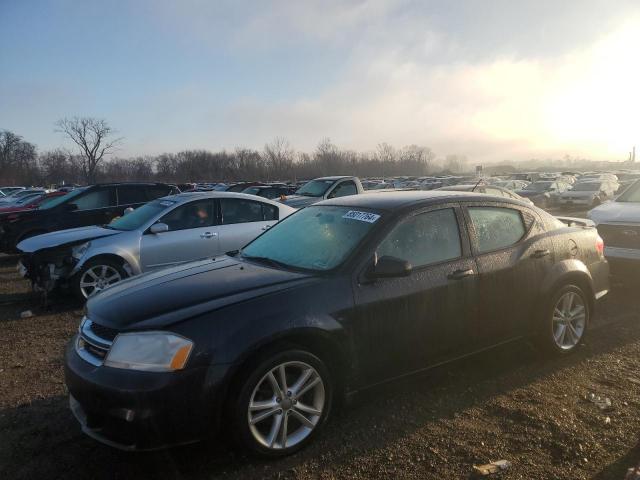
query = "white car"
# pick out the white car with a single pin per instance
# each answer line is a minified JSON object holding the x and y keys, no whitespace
{"x":618,"y":223}
{"x":161,"y":233}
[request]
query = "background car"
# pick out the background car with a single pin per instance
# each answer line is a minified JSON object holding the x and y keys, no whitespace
{"x":588,"y":193}
{"x":487,"y":189}
{"x":270,"y":191}
{"x":93,"y":205}
{"x":544,"y":193}
{"x":161,"y":233}
{"x":31,"y":201}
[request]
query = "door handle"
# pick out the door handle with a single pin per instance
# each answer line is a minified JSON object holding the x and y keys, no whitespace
{"x":540,"y":253}
{"x":460,"y":274}
{"x":266,"y":227}
{"x":208,"y":235}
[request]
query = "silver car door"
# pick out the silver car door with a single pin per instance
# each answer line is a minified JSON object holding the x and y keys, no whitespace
{"x":193,"y":234}
{"x":243,"y":220}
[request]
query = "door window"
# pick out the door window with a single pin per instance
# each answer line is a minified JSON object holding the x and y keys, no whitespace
{"x":192,"y":215}
{"x":235,"y":210}
{"x":157,"y":191}
{"x":130,"y":194}
{"x":424,"y":239}
{"x":94,"y":199}
{"x":496,"y":227}
{"x":344,"y":189}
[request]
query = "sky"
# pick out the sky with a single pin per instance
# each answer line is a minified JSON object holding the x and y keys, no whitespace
{"x":495,"y":80}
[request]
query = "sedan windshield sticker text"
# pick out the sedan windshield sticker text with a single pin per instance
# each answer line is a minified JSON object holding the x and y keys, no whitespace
{"x":362,"y":216}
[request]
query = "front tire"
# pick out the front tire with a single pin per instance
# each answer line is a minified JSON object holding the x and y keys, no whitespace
{"x":565,"y":321}
{"x":96,"y":275}
{"x":282,"y":403}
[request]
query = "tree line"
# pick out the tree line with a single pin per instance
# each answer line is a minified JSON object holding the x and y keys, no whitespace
{"x":94,"y":141}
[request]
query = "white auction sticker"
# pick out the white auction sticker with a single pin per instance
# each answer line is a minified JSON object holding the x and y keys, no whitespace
{"x":361,"y":216}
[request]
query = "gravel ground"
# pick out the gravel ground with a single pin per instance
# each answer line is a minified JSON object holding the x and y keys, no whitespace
{"x":508,"y":403}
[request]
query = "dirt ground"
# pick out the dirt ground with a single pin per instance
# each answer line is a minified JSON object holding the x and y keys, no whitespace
{"x":509,"y":403}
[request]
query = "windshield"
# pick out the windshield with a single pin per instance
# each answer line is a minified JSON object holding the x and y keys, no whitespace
{"x":251,"y":190}
{"x":631,"y":194}
{"x":141,"y":215}
{"x":57,"y":201}
{"x":538,"y":186}
{"x":316,"y":238}
{"x":586,"y":187}
{"x":314,"y":188}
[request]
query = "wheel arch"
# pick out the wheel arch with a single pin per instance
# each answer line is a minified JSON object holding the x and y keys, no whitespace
{"x":569,"y":272}
{"x":314,"y":340}
{"x":124,"y":262}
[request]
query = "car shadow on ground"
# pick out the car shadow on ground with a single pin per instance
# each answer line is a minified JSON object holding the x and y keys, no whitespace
{"x":41,"y":438}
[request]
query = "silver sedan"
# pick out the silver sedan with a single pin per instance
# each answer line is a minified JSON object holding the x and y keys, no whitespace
{"x":161,"y":233}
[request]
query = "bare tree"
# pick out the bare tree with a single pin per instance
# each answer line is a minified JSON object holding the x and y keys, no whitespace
{"x":92,"y":137}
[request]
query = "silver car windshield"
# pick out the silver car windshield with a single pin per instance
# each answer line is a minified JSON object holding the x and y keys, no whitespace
{"x":141,"y":215}
{"x":316,"y":238}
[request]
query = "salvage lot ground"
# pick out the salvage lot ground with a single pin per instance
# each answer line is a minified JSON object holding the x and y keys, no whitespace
{"x":508,"y":403}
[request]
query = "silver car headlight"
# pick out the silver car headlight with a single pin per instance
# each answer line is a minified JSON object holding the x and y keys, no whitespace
{"x":78,"y":251}
{"x":149,"y":352}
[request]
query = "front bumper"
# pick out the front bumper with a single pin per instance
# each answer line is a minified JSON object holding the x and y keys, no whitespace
{"x":132,"y":410}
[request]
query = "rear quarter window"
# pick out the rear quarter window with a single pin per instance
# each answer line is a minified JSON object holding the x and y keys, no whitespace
{"x":497,"y":227}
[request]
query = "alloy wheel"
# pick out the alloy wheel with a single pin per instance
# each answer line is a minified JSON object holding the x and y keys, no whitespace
{"x":286,"y":405}
{"x":97,"y":278}
{"x":569,"y":320}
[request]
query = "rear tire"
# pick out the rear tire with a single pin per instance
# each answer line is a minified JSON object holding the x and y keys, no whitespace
{"x":96,"y":275}
{"x":565,"y":321}
{"x":272,"y":421}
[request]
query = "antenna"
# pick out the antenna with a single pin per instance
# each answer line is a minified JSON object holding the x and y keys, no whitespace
{"x":474,"y":187}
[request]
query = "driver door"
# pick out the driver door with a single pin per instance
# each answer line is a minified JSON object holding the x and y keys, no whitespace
{"x":193,"y":234}
{"x":407,"y":323}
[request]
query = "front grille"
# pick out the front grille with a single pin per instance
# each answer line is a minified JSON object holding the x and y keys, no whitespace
{"x":623,"y":236}
{"x":103,"y":332}
{"x":94,"y":342}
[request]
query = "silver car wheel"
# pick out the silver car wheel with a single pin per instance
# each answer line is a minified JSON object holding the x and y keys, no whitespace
{"x":98,"y":278}
{"x":286,"y":405}
{"x":569,"y":320}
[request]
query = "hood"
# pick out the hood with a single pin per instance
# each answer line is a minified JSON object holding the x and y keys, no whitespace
{"x":529,"y":193}
{"x":299,"y":201}
{"x":62,"y":237}
{"x":616,"y":212}
{"x":164,"y":297}
{"x":579,"y":194}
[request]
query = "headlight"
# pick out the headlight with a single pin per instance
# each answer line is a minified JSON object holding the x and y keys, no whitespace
{"x":149,"y":351}
{"x":78,"y":251}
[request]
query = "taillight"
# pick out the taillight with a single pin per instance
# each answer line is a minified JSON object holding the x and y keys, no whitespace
{"x":600,"y":245}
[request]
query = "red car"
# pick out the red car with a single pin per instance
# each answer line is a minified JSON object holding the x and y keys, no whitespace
{"x":33,"y":203}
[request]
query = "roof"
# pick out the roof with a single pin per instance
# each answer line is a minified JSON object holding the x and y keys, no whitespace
{"x":335,"y":177}
{"x":186,"y":196}
{"x":390,"y":199}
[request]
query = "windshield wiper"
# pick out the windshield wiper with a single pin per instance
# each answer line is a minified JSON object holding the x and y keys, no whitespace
{"x":267,"y":260}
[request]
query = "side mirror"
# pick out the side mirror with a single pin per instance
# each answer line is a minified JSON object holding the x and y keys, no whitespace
{"x":388,"y":267}
{"x":159,"y":228}
{"x":70,"y":207}
{"x":127,"y":211}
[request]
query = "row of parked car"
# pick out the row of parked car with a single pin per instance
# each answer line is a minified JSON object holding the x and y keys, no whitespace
{"x":289,"y":306}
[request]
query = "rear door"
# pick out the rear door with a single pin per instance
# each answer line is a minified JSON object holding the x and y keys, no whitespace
{"x":242,"y":220}
{"x":405,"y":324}
{"x":98,"y":206}
{"x":193,"y":234}
{"x":513,"y":253}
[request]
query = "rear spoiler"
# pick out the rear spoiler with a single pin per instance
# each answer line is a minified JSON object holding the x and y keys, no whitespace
{"x":577,"y":222}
